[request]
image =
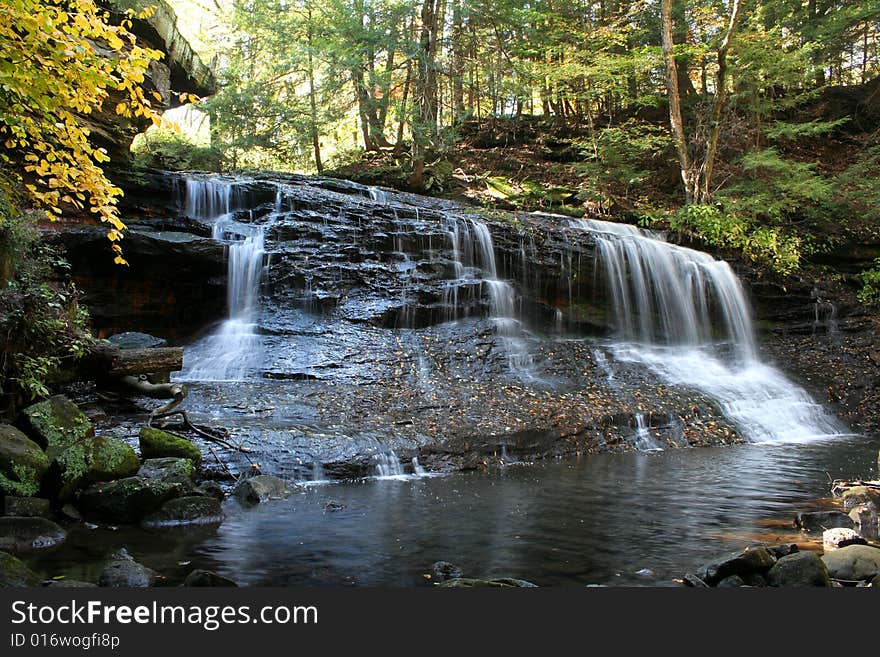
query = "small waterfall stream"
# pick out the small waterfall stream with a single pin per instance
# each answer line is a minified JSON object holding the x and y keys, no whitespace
{"x":685,"y":316}
{"x":233,"y":350}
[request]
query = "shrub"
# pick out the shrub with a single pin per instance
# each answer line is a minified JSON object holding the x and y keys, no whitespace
{"x":44,"y":327}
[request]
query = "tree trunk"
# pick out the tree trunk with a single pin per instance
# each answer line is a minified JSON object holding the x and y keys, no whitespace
{"x":675,"y":119}
{"x":313,"y":104}
{"x":703,"y":192}
{"x":108,"y":361}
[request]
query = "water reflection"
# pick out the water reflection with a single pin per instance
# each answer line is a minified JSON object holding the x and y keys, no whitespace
{"x":599,"y":520}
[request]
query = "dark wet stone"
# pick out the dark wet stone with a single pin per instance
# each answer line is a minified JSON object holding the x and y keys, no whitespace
{"x":186,"y":511}
{"x":332,"y":507}
{"x":207,"y":578}
{"x":13,"y":573}
{"x":171,"y":469}
{"x":732,"y":582}
{"x":22,"y":463}
{"x":443,"y":570}
{"x":210,"y":489}
{"x":28,"y":534}
{"x":122,"y":571}
{"x":260,"y":489}
{"x":854,"y":562}
{"x":126,"y":500}
{"x":783,"y":550}
{"x":134,"y":340}
{"x":27,"y":507}
{"x":799,"y":570}
{"x":694,"y":582}
{"x":70,"y":512}
{"x":818,"y":521}
{"x":751,"y":560}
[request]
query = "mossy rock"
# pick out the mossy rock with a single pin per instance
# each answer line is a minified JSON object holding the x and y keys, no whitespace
{"x":22,"y":463}
{"x":126,"y":500}
{"x":68,"y":438}
{"x":186,"y":511}
{"x":499,"y":582}
{"x":13,"y":573}
{"x":112,"y":459}
{"x":156,"y":444}
{"x":27,"y":534}
{"x":169,"y":469}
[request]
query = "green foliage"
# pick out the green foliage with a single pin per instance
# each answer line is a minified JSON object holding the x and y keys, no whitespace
{"x":870,"y":278}
{"x":165,"y":148}
{"x":787,"y":131}
{"x":774,"y":189}
{"x":769,"y":246}
{"x":621,"y":159}
{"x":858,"y":186}
{"x":43,"y":326}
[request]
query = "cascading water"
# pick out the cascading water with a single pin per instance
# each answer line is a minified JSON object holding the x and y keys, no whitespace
{"x":664,"y":299}
{"x":234,"y":349}
{"x":473,"y":253}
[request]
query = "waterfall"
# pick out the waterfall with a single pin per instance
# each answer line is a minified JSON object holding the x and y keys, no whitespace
{"x":387,"y":464}
{"x":207,"y":198}
{"x":473,"y":253}
{"x":666,"y":300}
{"x":233,"y":350}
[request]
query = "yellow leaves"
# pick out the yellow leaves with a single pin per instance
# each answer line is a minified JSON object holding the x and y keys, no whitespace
{"x":157,"y":96}
{"x":147,"y":12}
{"x":62,"y":77}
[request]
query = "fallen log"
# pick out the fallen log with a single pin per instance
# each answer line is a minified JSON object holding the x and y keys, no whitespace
{"x":106,"y":361}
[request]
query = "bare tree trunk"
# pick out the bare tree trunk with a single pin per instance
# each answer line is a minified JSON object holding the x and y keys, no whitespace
{"x":675,"y":119}
{"x":703,"y":192}
{"x":313,"y":104}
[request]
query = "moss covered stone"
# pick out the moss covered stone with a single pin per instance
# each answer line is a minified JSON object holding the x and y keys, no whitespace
{"x":170,"y":469}
{"x":13,"y":573}
{"x":26,"y":534}
{"x":67,"y":436}
{"x":156,"y":443}
{"x":185,"y":511}
{"x":127,"y":500}
{"x":112,"y":459}
{"x":22,"y":463}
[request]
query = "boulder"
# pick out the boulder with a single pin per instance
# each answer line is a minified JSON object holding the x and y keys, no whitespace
{"x":185,"y":511}
{"x":26,"y":507}
{"x":135,"y":340}
{"x":66,"y":435}
{"x":853,"y":562}
{"x":210,"y":489}
{"x":112,"y":459}
{"x":833,"y":539}
{"x":732,"y":582}
{"x":866,"y":518}
{"x":207,"y":578}
{"x":25,"y":534}
{"x":858,"y":495}
{"x":799,"y":569}
{"x":261,"y":488}
{"x":22,"y":463}
{"x":122,"y":571}
{"x":756,"y":559}
{"x":13,"y":573}
{"x":156,"y":443}
{"x":171,"y":469}
{"x":822,"y":520}
{"x":127,"y":500}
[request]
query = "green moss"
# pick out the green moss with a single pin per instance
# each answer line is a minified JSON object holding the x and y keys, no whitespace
{"x":112,"y":459}
{"x":156,"y":443}
{"x":25,"y":484}
{"x":13,"y":573}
